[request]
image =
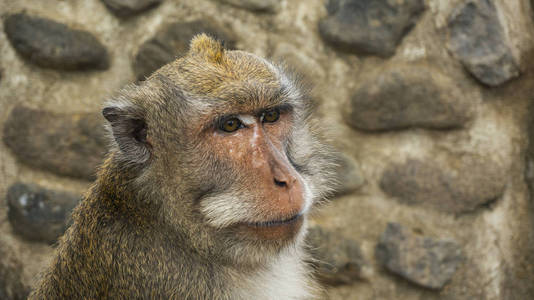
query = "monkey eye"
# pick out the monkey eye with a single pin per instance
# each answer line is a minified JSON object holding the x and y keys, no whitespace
{"x":271,"y":115}
{"x":230,"y":125}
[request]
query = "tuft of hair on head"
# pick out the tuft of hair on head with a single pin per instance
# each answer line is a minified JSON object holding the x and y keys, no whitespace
{"x":208,"y":47}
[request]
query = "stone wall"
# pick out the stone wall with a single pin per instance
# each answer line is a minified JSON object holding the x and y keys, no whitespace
{"x":427,"y":100}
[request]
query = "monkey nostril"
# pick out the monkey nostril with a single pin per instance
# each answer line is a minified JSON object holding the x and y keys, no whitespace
{"x":280,"y":183}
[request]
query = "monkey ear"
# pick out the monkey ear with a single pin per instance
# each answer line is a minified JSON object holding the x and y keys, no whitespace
{"x":129,"y":131}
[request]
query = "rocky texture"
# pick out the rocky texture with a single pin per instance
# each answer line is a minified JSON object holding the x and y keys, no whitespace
{"x":497,"y":238}
{"x":369,"y":26}
{"x":297,"y":61}
{"x":11,"y":285}
{"x":337,"y":260}
{"x":65,"y":144}
{"x":173,"y":41}
{"x":255,"y":5}
{"x":526,"y":237}
{"x":477,"y":39}
{"x":408,"y":96}
{"x":425,"y":261}
{"x":348,"y":175}
{"x":126,"y":8}
{"x":50,"y":44}
{"x":39,"y":214}
{"x":453,"y":189}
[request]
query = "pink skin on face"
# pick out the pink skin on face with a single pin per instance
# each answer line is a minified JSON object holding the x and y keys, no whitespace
{"x":257,"y":150}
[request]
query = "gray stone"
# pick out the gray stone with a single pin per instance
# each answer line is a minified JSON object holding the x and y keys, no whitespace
{"x":464,"y":188}
{"x":11,"y":285}
{"x":66,"y":144}
{"x":477,"y":39}
{"x":369,"y":26}
{"x":337,"y":260}
{"x":126,"y":8}
{"x":269,"y":6}
{"x":50,"y":44}
{"x":173,"y":41}
{"x":425,"y":261}
{"x":39,"y":214}
{"x":404,"y":96}
{"x":348,"y":175}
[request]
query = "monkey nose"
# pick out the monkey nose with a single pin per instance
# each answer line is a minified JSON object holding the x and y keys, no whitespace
{"x":280,"y":183}
{"x":282,"y":178}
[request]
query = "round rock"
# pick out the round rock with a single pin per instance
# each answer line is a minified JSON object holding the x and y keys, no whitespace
{"x":348,"y":175}
{"x":405,"y":96}
{"x":39,"y":214}
{"x":126,"y":8}
{"x":422,"y":260}
{"x":50,"y":44}
{"x":369,"y":26}
{"x":477,"y":39}
{"x":65,"y":144}
{"x":337,"y":260}
{"x":173,"y":41}
{"x":460,"y":189}
{"x":269,"y":6}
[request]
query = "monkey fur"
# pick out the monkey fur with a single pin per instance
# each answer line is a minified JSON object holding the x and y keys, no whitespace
{"x":214,"y":166}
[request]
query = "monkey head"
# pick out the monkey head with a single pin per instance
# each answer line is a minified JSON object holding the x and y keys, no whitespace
{"x":221,"y":145}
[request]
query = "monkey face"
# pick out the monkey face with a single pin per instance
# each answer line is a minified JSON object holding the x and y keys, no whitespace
{"x":224,"y":143}
{"x":274,"y":196}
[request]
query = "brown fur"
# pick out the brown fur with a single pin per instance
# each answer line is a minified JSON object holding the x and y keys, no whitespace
{"x":172,"y":212}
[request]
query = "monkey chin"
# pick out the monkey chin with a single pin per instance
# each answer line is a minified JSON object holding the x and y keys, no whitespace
{"x":276,"y":230}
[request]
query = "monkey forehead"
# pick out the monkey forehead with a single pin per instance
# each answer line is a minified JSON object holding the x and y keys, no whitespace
{"x":248,"y":65}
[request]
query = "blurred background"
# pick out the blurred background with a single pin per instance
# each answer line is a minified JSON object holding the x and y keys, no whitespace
{"x":428,"y":102}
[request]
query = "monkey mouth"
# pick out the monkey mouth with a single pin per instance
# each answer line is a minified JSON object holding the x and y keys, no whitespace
{"x":273,"y":230}
{"x":275,"y":223}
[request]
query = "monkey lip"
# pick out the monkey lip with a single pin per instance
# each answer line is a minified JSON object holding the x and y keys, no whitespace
{"x":275,"y":223}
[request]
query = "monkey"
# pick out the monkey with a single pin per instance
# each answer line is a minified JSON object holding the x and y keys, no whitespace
{"x":214,"y":166}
